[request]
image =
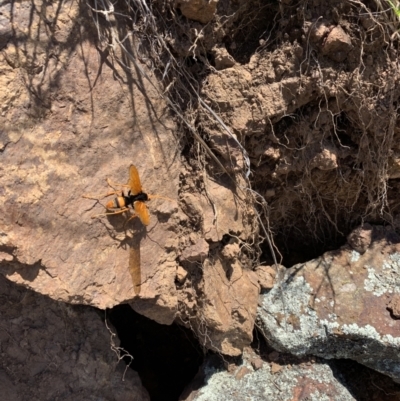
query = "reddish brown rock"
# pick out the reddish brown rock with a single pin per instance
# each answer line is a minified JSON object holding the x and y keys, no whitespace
{"x":360,"y":238}
{"x":227,"y":308}
{"x":265,"y":276}
{"x":337,"y":45}
{"x":318,"y":30}
{"x":5,"y":25}
{"x":269,"y":98}
{"x":394,"y":167}
{"x":229,"y":149}
{"x":216,"y":212}
{"x":181,"y":274}
{"x":198,"y":10}
{"x":222,"y":58}
{"x":65,"y":144}
{"x":219,"y":296}
{"x":394,"y":306}
{"x":231,"y":250}
{"x":257,"y":363}
{"x":196,"y":252}
{"x":49,"y":241}
{"x":326,"y":159}
{"x":275,"y":367}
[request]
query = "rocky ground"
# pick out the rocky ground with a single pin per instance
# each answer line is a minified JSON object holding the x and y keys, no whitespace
{"x":267,"y":136}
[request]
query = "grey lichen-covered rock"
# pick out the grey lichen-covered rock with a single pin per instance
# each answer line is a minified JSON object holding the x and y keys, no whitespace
{"x":258,"y":380}
{"x":336,"y":306}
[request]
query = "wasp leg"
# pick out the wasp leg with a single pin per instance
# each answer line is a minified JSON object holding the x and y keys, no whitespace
{"x":111,"y":213}
{"x":130,"y":218}
{"x":102,"y":196}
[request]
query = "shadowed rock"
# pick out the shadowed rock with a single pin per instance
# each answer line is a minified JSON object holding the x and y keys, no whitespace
{"x":51,"y":350}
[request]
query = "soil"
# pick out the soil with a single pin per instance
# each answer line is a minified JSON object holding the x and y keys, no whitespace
{"x":310,"y":90}
{"x":316,"y":110}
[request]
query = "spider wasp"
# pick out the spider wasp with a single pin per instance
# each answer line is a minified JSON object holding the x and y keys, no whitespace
{"x":135,"y":198}
{"x":120,"y":204}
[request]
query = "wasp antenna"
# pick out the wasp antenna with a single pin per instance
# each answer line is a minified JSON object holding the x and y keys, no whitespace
{"x":160,"y":197}
{"x":115,"y":184}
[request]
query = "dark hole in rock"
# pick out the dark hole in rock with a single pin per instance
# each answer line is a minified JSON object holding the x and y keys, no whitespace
{"x":166,"y":357}
{"x":364,"y":384}
{"x":299,"y":250}
{"x":225,"y":239}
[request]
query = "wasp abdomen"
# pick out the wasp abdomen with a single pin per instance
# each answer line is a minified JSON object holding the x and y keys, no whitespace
{"x":118,"y":202}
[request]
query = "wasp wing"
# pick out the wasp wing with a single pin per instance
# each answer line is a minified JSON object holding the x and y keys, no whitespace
{"x":134,"y":181}
{"x":142,"y":212}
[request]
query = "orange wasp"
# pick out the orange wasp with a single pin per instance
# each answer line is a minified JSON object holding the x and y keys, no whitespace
{"x":135,"y":198}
